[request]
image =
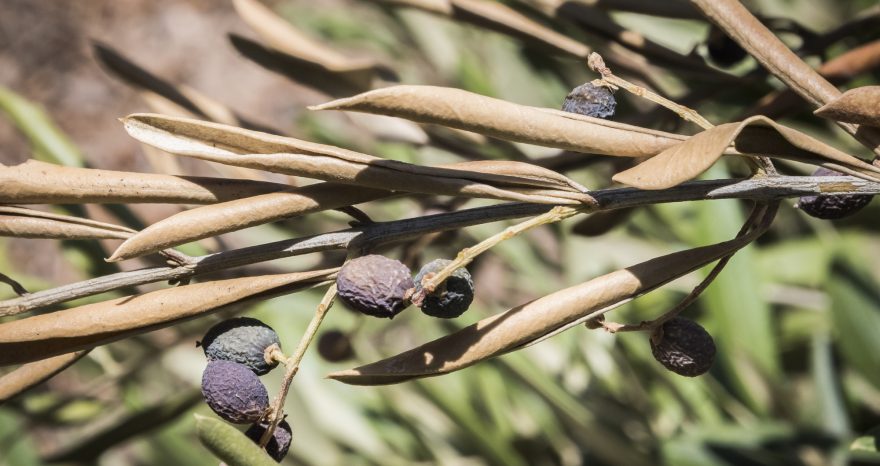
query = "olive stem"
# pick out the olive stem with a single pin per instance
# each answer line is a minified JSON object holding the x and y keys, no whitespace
{"x":293,"y":362}
{"x":597,"y":64}
{"x":467,"y":255}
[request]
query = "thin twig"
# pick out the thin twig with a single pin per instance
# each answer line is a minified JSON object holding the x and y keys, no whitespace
{"x":16,"y":287}
{"x":293,"y":362}
{"x":465,"y":256}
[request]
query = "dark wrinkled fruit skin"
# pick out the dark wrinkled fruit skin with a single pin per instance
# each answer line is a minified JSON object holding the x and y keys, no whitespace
{"x":590,"y":100}
{"x":832,"y":207}
{"x":723,"y":50}
{"x":335,"y":346}
{"x":243,"y":340}
{"x":684,"y":347}
{"x":374,"y":285}
{"x":278,"y":444}
{"x":234,"y":392}
{"x":452,"y":297}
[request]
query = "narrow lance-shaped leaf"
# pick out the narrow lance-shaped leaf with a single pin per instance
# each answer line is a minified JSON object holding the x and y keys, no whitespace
{"x":282,"y":36}
{"x":29,"y":223}
{"x":229,"y":444}
{"x":860,"y":105}
{"x":216,"y":219}
{"x":32,"y":374}
{"x":36,"y":182}
{"x":236,"y":146}
{"x":235,"y":215}
{"x":460,"y":109}
{"x":758,"y":135}
{"x":523,"y":324}
{"x":88,"y":326}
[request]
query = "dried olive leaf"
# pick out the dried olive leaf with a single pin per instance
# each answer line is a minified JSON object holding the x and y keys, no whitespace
{"x":32,"y":374}
{"x":520,"y":325}
{"x":860,"y":105}
{"x":36,"y":182}
{"x":238,"y":214}
{"x":506,"y":120}
{"x":279,"y":34}
{"x":236,"y":146}
{"x":216,"y":219}
{"x":757,"y":134}
{"x":29,"y":223}
{"x":88,"y":326}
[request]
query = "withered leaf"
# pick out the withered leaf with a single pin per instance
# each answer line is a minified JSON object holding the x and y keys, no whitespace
{"x":755,"y":135}
{"x":860,"y":105}
{"x":216,"y":219}
{"x":506,"y":120}
{"x":235,"y":215}
{"x":523,"y":324}
{"x":29,"y":223}
{"x":47,"y":335}
{"x":36,"y":182}
{"x":240,"y":147}
{"x":32,"y":374}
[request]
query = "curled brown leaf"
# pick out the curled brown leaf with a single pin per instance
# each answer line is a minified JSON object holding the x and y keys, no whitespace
{"x":240,"y":147}
{"x":755,"y":135}
{"x":860,"y":105}
{"x":36,"y":182}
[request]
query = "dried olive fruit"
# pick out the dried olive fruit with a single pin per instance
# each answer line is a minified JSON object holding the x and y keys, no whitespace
{"x":375,"y":285}
{"x":234,"y":392}
{"x":723,"y":50}
{"x":452,"y":297}
{"x":832,"y":207}
{"x":683,"y":346}
{"x":278,"y":444}
{"x":243,"y":340}
{"x":335,"y":346}
{"x":590,"y":100}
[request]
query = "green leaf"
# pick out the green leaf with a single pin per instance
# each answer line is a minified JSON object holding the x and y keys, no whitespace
{"x":229,"y":444}
{"x":48,"y":141}
{"x":856,"y":316}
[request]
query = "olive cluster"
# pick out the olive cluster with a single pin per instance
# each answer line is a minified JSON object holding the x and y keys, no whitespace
{"x":382,"y":287}
{"x":239,"y":350}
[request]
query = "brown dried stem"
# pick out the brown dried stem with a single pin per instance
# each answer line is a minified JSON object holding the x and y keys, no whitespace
{"x":293,"y":362}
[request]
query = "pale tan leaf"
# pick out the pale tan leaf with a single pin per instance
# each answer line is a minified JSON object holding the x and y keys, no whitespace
{"x":28,"y":223}
{"x":47,"y":335}
{"x":236,"y":146}
{"x":300,"y":51}
{"x":235,"y":215}
{"x":755,"y":135}
{"x":523,"y":324}
{"x":506,"y":120}
{"x":860,"y":105}
{"x":216,"y":219}
{"x":36,"y":182}
{"x":32,"y":374}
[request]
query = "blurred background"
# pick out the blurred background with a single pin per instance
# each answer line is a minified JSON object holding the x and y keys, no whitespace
{"x":796,"y":317}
